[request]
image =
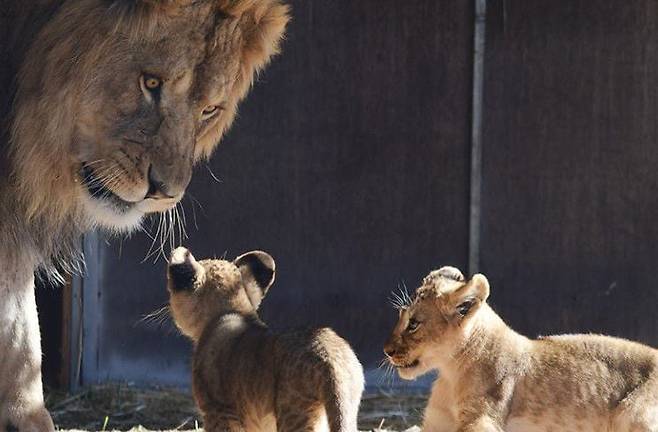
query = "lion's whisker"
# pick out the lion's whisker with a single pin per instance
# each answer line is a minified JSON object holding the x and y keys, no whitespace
{"x":101,"y":172}
{"x":172,"y":229}
{"x":157,"y":317}
{"x":181,"y":221}
{"x":145,"y":231}
{"x":196,"y":226}
{"x":164,"y":235}
{"x":109,"y":177}
{"x":107,"y":181}
{"x":106,"y":191}
{"x":97,"y":161}
{"x":152,"y":248}
{"x":177,"y":225}
{"x":110,"y":181}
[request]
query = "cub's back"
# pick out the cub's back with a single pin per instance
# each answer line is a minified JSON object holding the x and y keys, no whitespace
{"x":576,"y":374}
{"x":596,"y":355}
{"x":244,"y":365}
{"x":313,"y":355}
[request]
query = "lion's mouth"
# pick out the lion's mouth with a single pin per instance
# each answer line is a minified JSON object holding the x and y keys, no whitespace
{"x":97,"y":189}
{"x":410,"y":365}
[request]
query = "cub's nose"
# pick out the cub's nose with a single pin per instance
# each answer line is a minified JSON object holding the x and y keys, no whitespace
{"x":389,"y":350}
{"x":183,"y":270}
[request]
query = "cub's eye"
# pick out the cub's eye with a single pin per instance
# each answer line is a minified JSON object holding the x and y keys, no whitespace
{"x":464,"y":308}
{"x":210,"y":111}
{"x":413,"y":325}
{"x":151,"y":83}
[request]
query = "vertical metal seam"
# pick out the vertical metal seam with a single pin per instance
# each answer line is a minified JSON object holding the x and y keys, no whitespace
{"x":91,"y":310}
{"x":476,"y":137}
{"x":75,"y":333}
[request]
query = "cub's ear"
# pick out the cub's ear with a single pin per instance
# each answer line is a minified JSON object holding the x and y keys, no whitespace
{"x":467,"y":299}
{"x":258,"y":271}
{"x":184,"y":273}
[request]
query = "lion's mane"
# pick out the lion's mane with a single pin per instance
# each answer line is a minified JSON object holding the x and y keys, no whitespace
{"x":37,"y":184}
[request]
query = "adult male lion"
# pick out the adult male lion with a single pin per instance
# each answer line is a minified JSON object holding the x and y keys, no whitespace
{"x":112,"y":102}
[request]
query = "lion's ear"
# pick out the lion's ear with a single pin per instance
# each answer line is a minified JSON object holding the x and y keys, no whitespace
{"x":263,"y":26}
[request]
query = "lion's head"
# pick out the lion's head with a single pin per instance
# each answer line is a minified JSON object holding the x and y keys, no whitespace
{"x":435,"y":324}
{"x":116,"y":100}
{"x":200,"y":291}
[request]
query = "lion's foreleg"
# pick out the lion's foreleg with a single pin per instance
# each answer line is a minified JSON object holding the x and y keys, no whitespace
{"x":21,"y":389}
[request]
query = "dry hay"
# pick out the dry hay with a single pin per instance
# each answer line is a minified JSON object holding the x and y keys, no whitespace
{"x":121,"y":407}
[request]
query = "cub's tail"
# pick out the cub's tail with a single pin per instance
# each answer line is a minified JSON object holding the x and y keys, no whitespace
{"x":343,"y":389}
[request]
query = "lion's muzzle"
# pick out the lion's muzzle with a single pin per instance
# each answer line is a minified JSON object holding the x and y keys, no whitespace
{"x":162,"y":188}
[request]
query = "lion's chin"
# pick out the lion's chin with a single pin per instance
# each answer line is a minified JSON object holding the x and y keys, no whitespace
{"x":122,"y":218}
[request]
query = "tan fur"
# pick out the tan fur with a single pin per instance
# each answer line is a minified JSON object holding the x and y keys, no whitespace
{"x":82,"y":119}
{"x":79,"y":80}
{"x":246,"y":378}
{"x":493,"y":379}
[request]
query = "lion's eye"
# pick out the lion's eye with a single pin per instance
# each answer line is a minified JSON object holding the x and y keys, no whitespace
{"x":210,"y":111}
{"x":413,"y":325}
{"x":151,"y":82}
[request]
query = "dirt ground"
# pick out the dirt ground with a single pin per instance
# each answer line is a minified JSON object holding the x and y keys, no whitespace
{"x":126,"y":408}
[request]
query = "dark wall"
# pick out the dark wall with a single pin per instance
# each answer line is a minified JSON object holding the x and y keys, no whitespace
{"x":570,"y":180}
{"x":348,"y":163}
{"x":50,"y":298}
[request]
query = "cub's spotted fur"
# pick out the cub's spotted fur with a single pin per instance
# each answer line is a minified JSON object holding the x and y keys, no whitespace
{"x":493,"y":379}
{"x":246,"y":378}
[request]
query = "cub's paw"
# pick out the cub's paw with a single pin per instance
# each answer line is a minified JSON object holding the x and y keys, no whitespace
{"x":37,"y":421}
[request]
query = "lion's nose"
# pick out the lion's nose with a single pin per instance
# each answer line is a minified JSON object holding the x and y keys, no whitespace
{"x":389,"y":351}
{"x":158,"y":189}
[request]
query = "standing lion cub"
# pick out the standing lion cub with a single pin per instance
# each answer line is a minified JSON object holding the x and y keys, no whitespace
{"x":494,"y":379}
{"x":246,"y":378}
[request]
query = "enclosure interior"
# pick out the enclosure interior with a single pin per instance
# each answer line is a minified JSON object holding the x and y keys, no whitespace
{"x":350,"y":163}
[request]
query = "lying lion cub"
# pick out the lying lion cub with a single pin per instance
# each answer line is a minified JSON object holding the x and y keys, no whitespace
{"x":245,"y":378}
{"x":494,"y":379}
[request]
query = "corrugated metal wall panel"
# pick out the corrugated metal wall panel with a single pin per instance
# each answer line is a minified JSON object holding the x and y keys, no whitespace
{"x":349,"y":164}
{"x":570,"y":180}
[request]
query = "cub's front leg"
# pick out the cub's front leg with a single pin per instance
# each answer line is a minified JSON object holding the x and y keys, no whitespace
{"x":219,"y":423}
{"x":21,"y":390}
{"x":438,"y":420}
{"x":486,"y":413}
{"x":482,"y":424}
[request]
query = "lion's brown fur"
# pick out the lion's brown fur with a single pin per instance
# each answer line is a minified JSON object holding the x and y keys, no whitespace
{"x":60,"y":63}
{"x":245,"y":377}
{"x":73,"y":96}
